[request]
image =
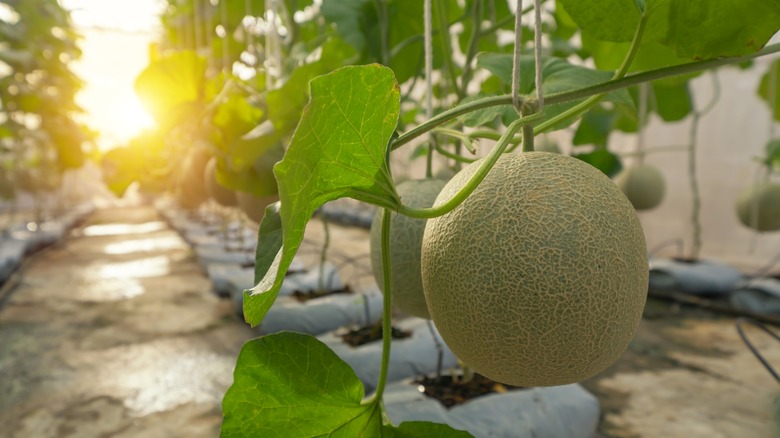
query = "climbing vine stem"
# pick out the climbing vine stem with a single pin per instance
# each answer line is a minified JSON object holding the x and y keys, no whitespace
{"x":621,"y":72}
{"x":387,"y":329}
{"x":478,"y":176}
{"x":694,"y":184}
{"x":593,"y":90}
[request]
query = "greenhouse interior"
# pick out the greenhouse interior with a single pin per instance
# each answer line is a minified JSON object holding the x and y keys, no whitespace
{"x":390,"y":218}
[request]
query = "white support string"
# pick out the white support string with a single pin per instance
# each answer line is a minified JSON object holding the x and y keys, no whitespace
{"x":225,"y":43}
{"x":772,"y":95}
{"x":516,"y":58}
{"x":250,"y":36}
{"x":428,"y":58}
{"x":538,"y":53}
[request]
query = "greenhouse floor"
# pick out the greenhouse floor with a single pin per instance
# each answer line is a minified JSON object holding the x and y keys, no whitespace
{"x":115,"y":332}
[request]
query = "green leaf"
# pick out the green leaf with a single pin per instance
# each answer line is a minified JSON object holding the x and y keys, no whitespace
{"x":337,"y":150}
{"x":558,"y":75}
{"x":269,"y":240}
{"x":169,"y":87}
{"x":234,"y":117}
{"x":481,"y":117}
{"x":290,"y":384}
{"x":769,"y":88}
{"x":423,"y":429}
{"x":286,"y":102}
{"x":354,"y":20}
{"x":594,"y":128}
{"x":772,"y":149}
{"x":694,"y":29}
{"x":672,"y":102}
{"x":602,"y":160}
{"x":702,"y":29}
{"x":609,"y":20}
{"x":650,"y":55}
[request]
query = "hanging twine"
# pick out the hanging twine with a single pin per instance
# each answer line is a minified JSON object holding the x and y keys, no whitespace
{"x":538,"y":76}
{"x":516,"y":58}
{"x":538,"y":54}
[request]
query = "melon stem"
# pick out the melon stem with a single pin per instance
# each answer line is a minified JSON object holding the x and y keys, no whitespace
{"x":387,"y":335}
{"x":476,"y":179}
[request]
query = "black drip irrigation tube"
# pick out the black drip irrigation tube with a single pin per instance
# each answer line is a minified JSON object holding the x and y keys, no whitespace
{"x":747,"y":321}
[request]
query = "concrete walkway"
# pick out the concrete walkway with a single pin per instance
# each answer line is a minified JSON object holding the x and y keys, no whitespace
{"x":115,"y":332}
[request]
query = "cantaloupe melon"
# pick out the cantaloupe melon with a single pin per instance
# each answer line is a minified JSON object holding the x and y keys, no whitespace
{"x":405,"y":241}
{"x":758,"y":207}
{"x":221,"y":194}
{"x":540,"y":277}
{"x":643,"y":185}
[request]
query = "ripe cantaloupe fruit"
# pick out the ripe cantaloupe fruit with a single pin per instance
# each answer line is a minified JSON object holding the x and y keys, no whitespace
{"x":223,"y":195}
{"x":405,"y":241}
{"x":538,"y":278}
{"x":643,"y":185}
{"x":758,"y":207}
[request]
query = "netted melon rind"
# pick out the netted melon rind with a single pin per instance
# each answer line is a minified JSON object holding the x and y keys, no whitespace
{"x":405,"y":242}
{"x":540,"y":277}
{"x":763,"y":200}
{"x":643,"y":185}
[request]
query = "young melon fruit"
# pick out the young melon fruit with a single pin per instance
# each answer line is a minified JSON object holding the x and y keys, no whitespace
{"x":217,"y":191}
{"x":758,"y":207}
{"x":405,"y":240}
{"x":643,"y":185}
{"x":540,"y":277}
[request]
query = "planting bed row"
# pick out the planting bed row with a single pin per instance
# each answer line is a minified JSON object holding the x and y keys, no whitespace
{"x":19,"y":237}
{"x":345,"y":315}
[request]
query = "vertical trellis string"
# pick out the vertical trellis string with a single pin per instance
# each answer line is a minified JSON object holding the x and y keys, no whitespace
{"x":428,"y":41}
{"x":772,"y":93}
{"x":538,"y":53}
{"x":516,"y":58}
{"x":250,"y":37}
{"x":225,"y":43}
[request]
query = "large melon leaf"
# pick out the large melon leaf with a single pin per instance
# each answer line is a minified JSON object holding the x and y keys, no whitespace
{"x":695,"y":29}
{"x":306,"y":390}
{"x":338,"y":150}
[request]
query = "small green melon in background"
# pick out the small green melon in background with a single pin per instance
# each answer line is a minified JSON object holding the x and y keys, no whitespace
{"x":223,"y":195}
{"x":758,"y":207}
{"x":643,"y":185}
{"x":539,"y":278}
{"x":405,"y":240}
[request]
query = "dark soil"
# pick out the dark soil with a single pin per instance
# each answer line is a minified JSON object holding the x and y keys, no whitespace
{"x":310,"y":295}
{"x":372,"y":333}
{"x":451,"y":392}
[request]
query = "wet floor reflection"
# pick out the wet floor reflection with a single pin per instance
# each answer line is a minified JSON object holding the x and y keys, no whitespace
{"x":108,"y":289}
{"x":119,"y":229}
{"x":141,"y":268}
{"x":158,"y":376}
{"x":144,"y":245}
